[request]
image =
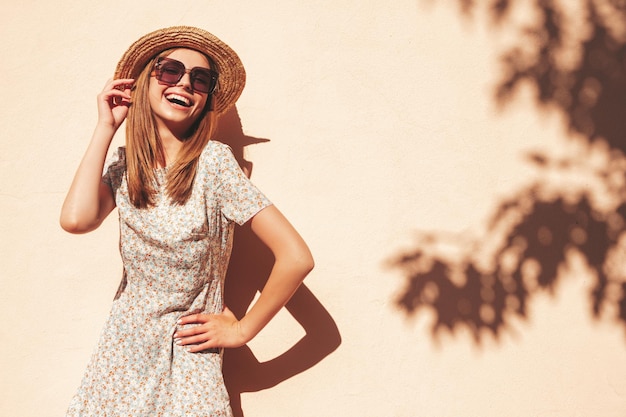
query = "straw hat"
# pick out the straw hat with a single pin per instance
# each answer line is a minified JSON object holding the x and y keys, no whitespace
{"x":232,"y":76}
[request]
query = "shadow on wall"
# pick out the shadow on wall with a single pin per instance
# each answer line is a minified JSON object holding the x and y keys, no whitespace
{"x":250,"y":266}
{"x":576,"y":211}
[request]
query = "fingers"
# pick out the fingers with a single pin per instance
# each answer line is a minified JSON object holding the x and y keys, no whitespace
{"x":195,"y":338}
{"x":193,"y":342}
{"x":191,"y":331}
{"x":125,"y":86}
{"x":187,"y":334}
{"x":114,"y":101}
{"x":117,"y":92}
{"x":120,"y":84}
{"x":193,"y":318}
{"x":208,"y":331}
{"x":123,"y":83}
{"x":201,"y":347}
{"x":197,"y":345}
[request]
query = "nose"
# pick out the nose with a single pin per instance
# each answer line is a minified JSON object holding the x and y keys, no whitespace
{"x":185,"y":81}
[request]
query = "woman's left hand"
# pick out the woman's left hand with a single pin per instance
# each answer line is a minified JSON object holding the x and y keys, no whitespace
{"x":210,"y":331}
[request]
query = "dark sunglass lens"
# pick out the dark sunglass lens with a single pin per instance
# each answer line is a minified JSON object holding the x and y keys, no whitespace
{"x":203,"y":80}
{"x":170,"y":72}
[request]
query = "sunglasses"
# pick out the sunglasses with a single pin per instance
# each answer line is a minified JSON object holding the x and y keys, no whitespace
{"x":171,"y":71}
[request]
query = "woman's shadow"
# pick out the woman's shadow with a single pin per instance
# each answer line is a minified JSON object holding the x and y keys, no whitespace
{"x":250,"y":265}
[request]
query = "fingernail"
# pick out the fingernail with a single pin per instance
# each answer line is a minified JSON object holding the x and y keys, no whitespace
{"x":177,"y":341}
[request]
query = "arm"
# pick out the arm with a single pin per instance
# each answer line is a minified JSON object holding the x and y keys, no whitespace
{"x":88,"y":200}
{"x":293,"y":261}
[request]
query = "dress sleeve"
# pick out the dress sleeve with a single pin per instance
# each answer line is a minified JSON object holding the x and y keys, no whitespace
{"x":115,"y":169}
{"x":239,"y":199}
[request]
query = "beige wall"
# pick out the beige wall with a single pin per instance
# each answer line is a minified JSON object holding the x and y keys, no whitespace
{"x":381,"y":124}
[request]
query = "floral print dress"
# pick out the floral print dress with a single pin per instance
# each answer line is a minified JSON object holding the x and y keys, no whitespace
{"x":175,"y":259}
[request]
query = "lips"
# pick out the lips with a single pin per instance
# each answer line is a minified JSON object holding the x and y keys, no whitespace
{"x":179,"y":100}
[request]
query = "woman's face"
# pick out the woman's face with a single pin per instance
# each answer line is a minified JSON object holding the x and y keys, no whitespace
{"x":176,"y":107}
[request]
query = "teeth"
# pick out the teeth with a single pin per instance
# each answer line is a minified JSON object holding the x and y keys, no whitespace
{"x":180,"y":99}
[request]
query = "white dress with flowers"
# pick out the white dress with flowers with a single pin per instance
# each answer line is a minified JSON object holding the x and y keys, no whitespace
{"x":175,"y":259}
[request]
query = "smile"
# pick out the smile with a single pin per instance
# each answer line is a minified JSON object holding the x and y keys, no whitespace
{"x":180,"y":100}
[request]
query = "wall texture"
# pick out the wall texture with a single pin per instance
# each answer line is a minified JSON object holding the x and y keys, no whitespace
{"x":376,"y":128}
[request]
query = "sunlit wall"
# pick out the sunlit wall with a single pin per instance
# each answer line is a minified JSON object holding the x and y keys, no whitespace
{"x":467,"y":232}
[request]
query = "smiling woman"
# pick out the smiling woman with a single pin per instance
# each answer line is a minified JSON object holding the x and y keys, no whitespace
{"x":174,"y":97}
{"x":179,"y":196}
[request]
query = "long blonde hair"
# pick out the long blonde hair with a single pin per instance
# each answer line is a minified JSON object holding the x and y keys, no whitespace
{"x":144,"y":150}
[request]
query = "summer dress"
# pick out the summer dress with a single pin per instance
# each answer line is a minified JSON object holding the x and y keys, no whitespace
{"x":175,"y":259}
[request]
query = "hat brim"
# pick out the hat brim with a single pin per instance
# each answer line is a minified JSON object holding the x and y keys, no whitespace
{"x":232,"y":75}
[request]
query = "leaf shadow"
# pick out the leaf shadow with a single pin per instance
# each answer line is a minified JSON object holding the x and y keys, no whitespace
{"x":577,"y":207}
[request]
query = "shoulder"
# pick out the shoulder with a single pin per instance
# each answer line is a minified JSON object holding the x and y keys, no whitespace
{"x":117,"y":160}
{"x":115,"y":167}
{"x":215,"y":147}
{"x":216,"y":153}
{"x":121,"y":153}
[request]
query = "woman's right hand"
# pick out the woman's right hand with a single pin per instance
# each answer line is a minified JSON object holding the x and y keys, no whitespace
{"x":114,"y":101}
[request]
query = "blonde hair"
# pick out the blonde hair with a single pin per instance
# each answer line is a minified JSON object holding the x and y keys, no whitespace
{"x":144,"y":150}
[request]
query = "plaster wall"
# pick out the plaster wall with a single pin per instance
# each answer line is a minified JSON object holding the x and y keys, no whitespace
{"x":381,"y":123}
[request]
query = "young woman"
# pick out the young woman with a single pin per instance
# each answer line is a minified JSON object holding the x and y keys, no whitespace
{"x":179,"y":195}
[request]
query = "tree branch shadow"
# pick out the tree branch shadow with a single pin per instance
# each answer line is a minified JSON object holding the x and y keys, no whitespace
{"x":250,"y":265}
{"x":578,"y":206}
